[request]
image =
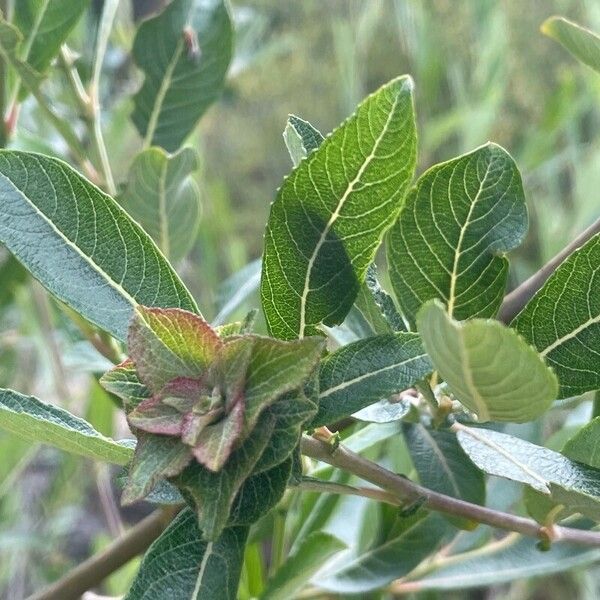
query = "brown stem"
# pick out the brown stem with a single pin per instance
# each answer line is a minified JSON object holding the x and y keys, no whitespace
{"x":515,"y":301}
{"x":408,"y":491}
{"x":91,"y":572}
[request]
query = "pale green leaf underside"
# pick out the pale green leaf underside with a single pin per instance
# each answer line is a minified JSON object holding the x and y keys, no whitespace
{"x":301,"y":138}
{"x":366,"y":371}
{"x":180,"y":562}
{"x":506,"y":456}
{"x":45,"y":24}
{"x":453,"y":229}
{"x":332,"y":211}
{"x":584,"y":446}
{"x":80,"y":244}
{"x":516,"y":557}
{"x":488,"y":367}
{"x":32,"y":420}
{"x":308,"y":558}
{"x":181,"y":81}
{"x":582,"y":43}
{"x":563,"y":321}
{"x":164,"y":199}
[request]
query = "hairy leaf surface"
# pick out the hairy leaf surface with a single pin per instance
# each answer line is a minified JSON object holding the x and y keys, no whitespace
{"x":301,"y":138}
{"x":366,"y":371}
{"x":563,"y":321}
{"x":184,"y":53}
{"x":180,"y":561}
{"x":164,"y":199}
{"x":487,"y":366}
{"x":453,"y":229}
{"x":332,"y":211}
{"x":35,"y":421}
{"x":80,"y":244}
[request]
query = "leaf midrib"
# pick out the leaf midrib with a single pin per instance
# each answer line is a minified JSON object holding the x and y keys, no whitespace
{"x":336,"y":213}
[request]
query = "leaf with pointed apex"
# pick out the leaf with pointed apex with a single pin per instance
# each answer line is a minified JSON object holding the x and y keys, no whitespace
{"x":156,"y":457}
{"x":453,"y":229}
{"x":502,"y":455}
{"x":214,"y":493}
{"x":332,"y":211}
{"x":301,"y":565}
{"x":488,"y":367}
{"x":80,"y":244}
{"x":180,"y":562}
{"x":45,"y":25}
{"x":30,"y":419}
{"x":184,"y":53}
{"x":582,"y":43}
{"x":377,"y":306}
{"x":563,"y":321}
{"x":365,"y":371}
{"x":514,"y":558}
{"x":277,"y":367}
{"x":164,"y":199}
{"x":301,"y":138}
{"x":166,"y":344}
{"x":443,"y":466}
{"x":394,"y":558}
{"x":584,"y":446}
{"x":123,"y":381}
{"x":260,"y":493}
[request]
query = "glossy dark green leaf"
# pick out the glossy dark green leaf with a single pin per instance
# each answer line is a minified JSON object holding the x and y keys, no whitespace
{"x":80,"y":244}
{"x":563,"y":321}
{"x":299,"y":567}
{"x":301,"y":138}
{"x":452,"y":233}
{"x":582,"y":43}
{"x":488,"y":367}
{"x":332,"y":211}
{"x":184,"y":53}
{"x":164,"y":199}
{"x":179,"y":562}
{"x":391,"y":560}
{"x":442,"y":464}
{"x":366,"y":371}
{"x":35,"y":421}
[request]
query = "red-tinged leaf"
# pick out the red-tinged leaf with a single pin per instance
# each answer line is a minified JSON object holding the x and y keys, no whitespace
{"x":154,"y":416}
{"x":169,"y":343}
{"x":123,"y":381}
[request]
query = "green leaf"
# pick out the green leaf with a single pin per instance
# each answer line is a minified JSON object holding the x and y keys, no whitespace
{"x":377,"y":306}
{"x":513,"y":558}
{"x":45,"y":25}
{"x":332,"y":211}
{"x":12,"y":275}
{"x":80,"y":244}
{"x":165,"y":344}
{"x":214,"y":493}
{"x":300,"y":566}
{"x":390,"y":560}
{"x":30,"y":419}
{"x":184,"y":53}
{"x":366,"y":371}
{"x":237,"y":289}
{"x":179,"y":562}
{"x":582,"y":43}
{"x":442,"y":464}
{"x":544,"y":470}
{"x":453,"y":229}
{"x":584,"y":446}
{"x":301,"y":138}
{"x":487,"y":366}
{"x":123,"y":381}
{"x":563,"y":321}
{"x":164,"y":199}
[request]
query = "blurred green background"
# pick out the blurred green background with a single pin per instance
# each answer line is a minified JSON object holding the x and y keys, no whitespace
{"x":483,"y":71}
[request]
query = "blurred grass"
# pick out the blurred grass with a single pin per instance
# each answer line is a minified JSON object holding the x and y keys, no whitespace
{"x":482,"y":71}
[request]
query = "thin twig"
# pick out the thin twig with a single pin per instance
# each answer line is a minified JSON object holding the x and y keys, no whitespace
{"x":515,"y":301}
{"x":91,"y":572}
{"x":331,"y":487}
{"x":408,"y":491}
